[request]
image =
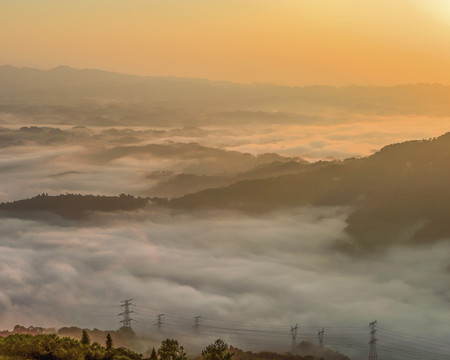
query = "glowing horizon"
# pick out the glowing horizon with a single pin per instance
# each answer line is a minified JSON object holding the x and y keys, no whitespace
{"x":294,"y":43}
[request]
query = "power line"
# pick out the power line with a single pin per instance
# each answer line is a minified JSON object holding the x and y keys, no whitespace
{"x":389,"y":342}
{"x":412,"y":338}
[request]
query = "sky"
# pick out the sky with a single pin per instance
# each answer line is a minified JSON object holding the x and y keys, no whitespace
{"x":290,"y":42}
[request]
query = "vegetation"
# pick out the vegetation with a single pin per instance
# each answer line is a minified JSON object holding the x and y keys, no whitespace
{"x":217,"y":351}
{"x":153,"y":355}
{"x":171,"y":350}
{"x":399,"y":194}
{"x":73,"y":206}
{"x":109,"y":342}
{"x":85,"y":339}
{"x":124,"y":337}
{"x":52,"y":347}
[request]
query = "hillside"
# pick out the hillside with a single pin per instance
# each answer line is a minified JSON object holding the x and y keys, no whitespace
{"x":70,"y":206}
{"x":176,"y":185}
{"x":399,"y":194}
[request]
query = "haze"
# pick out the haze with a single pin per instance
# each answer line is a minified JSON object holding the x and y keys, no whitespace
{"x":374,"y":42}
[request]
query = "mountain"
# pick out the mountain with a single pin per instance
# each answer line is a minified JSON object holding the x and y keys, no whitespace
{"x":90,"y":97}
{"x":175,"y":185}
{"x":399,"y":194}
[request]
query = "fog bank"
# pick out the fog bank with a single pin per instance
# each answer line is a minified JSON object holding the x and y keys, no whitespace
{"x":237,"y":272}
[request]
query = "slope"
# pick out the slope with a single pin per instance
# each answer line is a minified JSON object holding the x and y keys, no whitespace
{"x":400,"y":193}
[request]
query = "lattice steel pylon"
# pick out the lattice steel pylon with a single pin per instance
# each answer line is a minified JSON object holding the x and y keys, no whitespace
{"x":160,"y":321}
{"x":126,"y":322}
{"x":373,"y":341}
{"x":294,"y":338}
{"x":320,"y":334}
{"x":197,"y":323}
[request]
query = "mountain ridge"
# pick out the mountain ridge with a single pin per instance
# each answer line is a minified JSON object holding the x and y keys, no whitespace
{"x":64,"y":69}
{"x":401,"y":187}
{"x":91,"y":97}
{"x":398,"y":195}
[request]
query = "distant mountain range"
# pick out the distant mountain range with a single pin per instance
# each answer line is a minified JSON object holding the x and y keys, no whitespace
{"x":93,"y":97}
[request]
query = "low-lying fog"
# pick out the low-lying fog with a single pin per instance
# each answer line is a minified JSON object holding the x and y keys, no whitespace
{"x":236,"y":272}
{"x":134,"y":160}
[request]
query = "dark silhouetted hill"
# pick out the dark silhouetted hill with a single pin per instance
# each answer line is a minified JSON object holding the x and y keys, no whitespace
{"x":400,"y":193}
{"x":71,"y":206}
{"x":175,"y":185}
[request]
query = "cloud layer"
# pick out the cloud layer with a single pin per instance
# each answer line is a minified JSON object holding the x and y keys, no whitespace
{"x":111,"y":161}
{"x":265,"y":273}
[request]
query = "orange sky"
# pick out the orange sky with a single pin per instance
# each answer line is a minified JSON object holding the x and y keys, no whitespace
{"x":293,"y":42}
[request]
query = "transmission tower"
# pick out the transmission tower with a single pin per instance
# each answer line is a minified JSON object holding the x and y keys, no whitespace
{"x":126,"y":322}
{"x":197,"y":323}
{"x":160,"y":321}
{"x":294,"y":338}
{"x":320,"y":334}
{"x":373,"y":341}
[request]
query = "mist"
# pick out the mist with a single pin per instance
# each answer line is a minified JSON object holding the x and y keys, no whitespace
{"x":59,"y":159}
{"x":267,"y":272}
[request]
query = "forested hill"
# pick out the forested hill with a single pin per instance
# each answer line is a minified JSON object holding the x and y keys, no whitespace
{"x":52,"y":347}
{"x":71,"y":206}
{"x":400,"y":193}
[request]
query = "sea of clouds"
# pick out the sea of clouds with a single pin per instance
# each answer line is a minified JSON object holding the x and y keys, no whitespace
{"x":237,"y":272}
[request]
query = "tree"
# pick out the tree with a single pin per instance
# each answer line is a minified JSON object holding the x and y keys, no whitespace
{"x":217,"y":351}
{"x":85,"y":339}
{"x":109,"y":342}
{"x":153,"y":356}
{"x":171,"y":350}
